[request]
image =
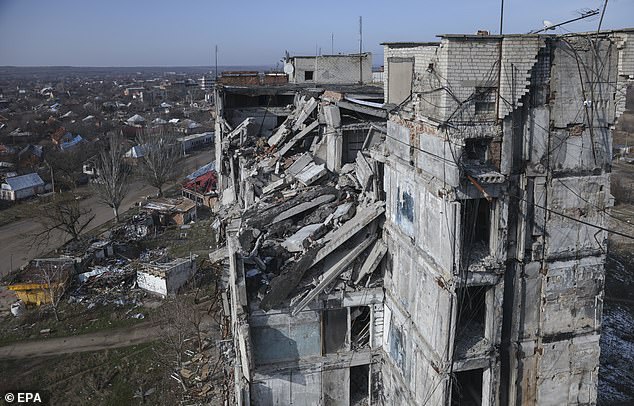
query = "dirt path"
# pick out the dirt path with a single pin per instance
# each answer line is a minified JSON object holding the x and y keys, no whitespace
{"x":101,"y":340}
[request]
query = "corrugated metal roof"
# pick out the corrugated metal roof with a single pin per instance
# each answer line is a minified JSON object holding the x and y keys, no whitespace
{"x":24,"y":181}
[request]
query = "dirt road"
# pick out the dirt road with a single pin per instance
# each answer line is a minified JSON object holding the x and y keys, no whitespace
{"x":101,"y":340}
{"x":15,"y":247}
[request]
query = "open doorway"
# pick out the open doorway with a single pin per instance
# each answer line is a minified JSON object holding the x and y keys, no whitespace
{"x":466,"y":388}
{"x":471,"y":319}
{"x":359,"y":327}
{"x":476,"y":228}
{"x":359,"y":385}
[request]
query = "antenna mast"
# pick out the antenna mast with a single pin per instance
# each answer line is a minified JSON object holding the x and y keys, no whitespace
{"x":361,"y":49}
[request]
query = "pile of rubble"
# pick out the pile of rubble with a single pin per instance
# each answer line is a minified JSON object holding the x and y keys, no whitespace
{"x":110,"y":284}
{"x":202,"y":373}
{"x":299,"y":227}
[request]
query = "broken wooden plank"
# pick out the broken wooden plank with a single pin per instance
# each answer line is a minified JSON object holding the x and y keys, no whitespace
{"x":297,"y":137}
{"x":339,"y":236}
{"x":331,"y":274}
{"x":372,"y":261}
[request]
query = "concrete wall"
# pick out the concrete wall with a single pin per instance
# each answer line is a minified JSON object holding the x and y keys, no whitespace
{"x":151,"y":283}
{"x":332,"y":69}
{"x":292,"y":361}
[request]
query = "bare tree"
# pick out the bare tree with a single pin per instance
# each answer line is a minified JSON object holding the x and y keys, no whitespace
{"x":182,"y":321}
{"x":53,"y":279}
{"x":64,"y":215}
{"x":176,"y":332}
{"x":160,"y":155}
{"x":113,"y":173}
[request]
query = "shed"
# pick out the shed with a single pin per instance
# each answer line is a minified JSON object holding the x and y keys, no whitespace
{"x":165,"y":278}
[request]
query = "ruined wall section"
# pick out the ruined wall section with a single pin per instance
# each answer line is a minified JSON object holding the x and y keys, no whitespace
{"x":519,"y":55}
{"x":425,"y":58}
{"x":471,"y":68}
{"x":625,"y":46}
{"x":418,"y":308}
{"x":333,"y":69}
{"x":561,"y":162}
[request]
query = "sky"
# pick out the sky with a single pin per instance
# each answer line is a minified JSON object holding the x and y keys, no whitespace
{"x":247,"y":32}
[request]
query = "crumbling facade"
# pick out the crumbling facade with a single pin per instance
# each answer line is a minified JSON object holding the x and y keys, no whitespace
{"x":329,"y":69}
{"x":444,"y":247}
{"x":497,"y":179}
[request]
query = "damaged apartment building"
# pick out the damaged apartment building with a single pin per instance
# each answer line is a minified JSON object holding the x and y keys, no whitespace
{"x":442,"y":242}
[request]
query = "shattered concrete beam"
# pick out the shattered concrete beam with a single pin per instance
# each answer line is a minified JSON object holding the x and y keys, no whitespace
{"x":311,"y":174}
{"x":371,"y":111}
{"x":306,"y":110}
{"x":372,"y":261}
{"x":219,"y":254}
{"x":300,"y":164}
{"x":279,"y":135}
{"x":242,"y":126}
{"x":364,"y":171}
{"x":331,"y":274}
{"x":297,"y":137}
{"x":283,"y":284}
{"x":273,"y":186}
{"x":335,"y":238}
{"x":302,"y":207}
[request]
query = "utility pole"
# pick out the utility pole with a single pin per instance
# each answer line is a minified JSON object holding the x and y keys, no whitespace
{"x":501,"y":16}
{"x":361,"y":49}
{"x":332,"y":43}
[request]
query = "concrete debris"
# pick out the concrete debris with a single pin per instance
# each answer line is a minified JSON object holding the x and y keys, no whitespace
{"x":311,"y":174}
{"x":330,"y":275}
{"x":300,"y":221}
{"x":295,"y":243}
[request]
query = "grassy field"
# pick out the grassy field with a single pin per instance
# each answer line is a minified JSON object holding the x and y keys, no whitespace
{"x":108,"y":377}
{"x":75,"y":319}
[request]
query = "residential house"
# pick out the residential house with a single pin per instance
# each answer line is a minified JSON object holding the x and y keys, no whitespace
{"x":21,"y":187}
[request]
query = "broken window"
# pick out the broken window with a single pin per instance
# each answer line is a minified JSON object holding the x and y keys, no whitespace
{"x":396,"y":345}
{"x":335,"y":330}
{"x":405,"y":210}
{"x":476,"y":149}
{"x":359,"y":327}
{"x":466,"y":388}
{"x":476,"y":228}
{"x":352,"y":143}
{"x":471,"y":319}
{"x":359,"y":385}
{"x":484,"y":99}
{"x":308,"y":75}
